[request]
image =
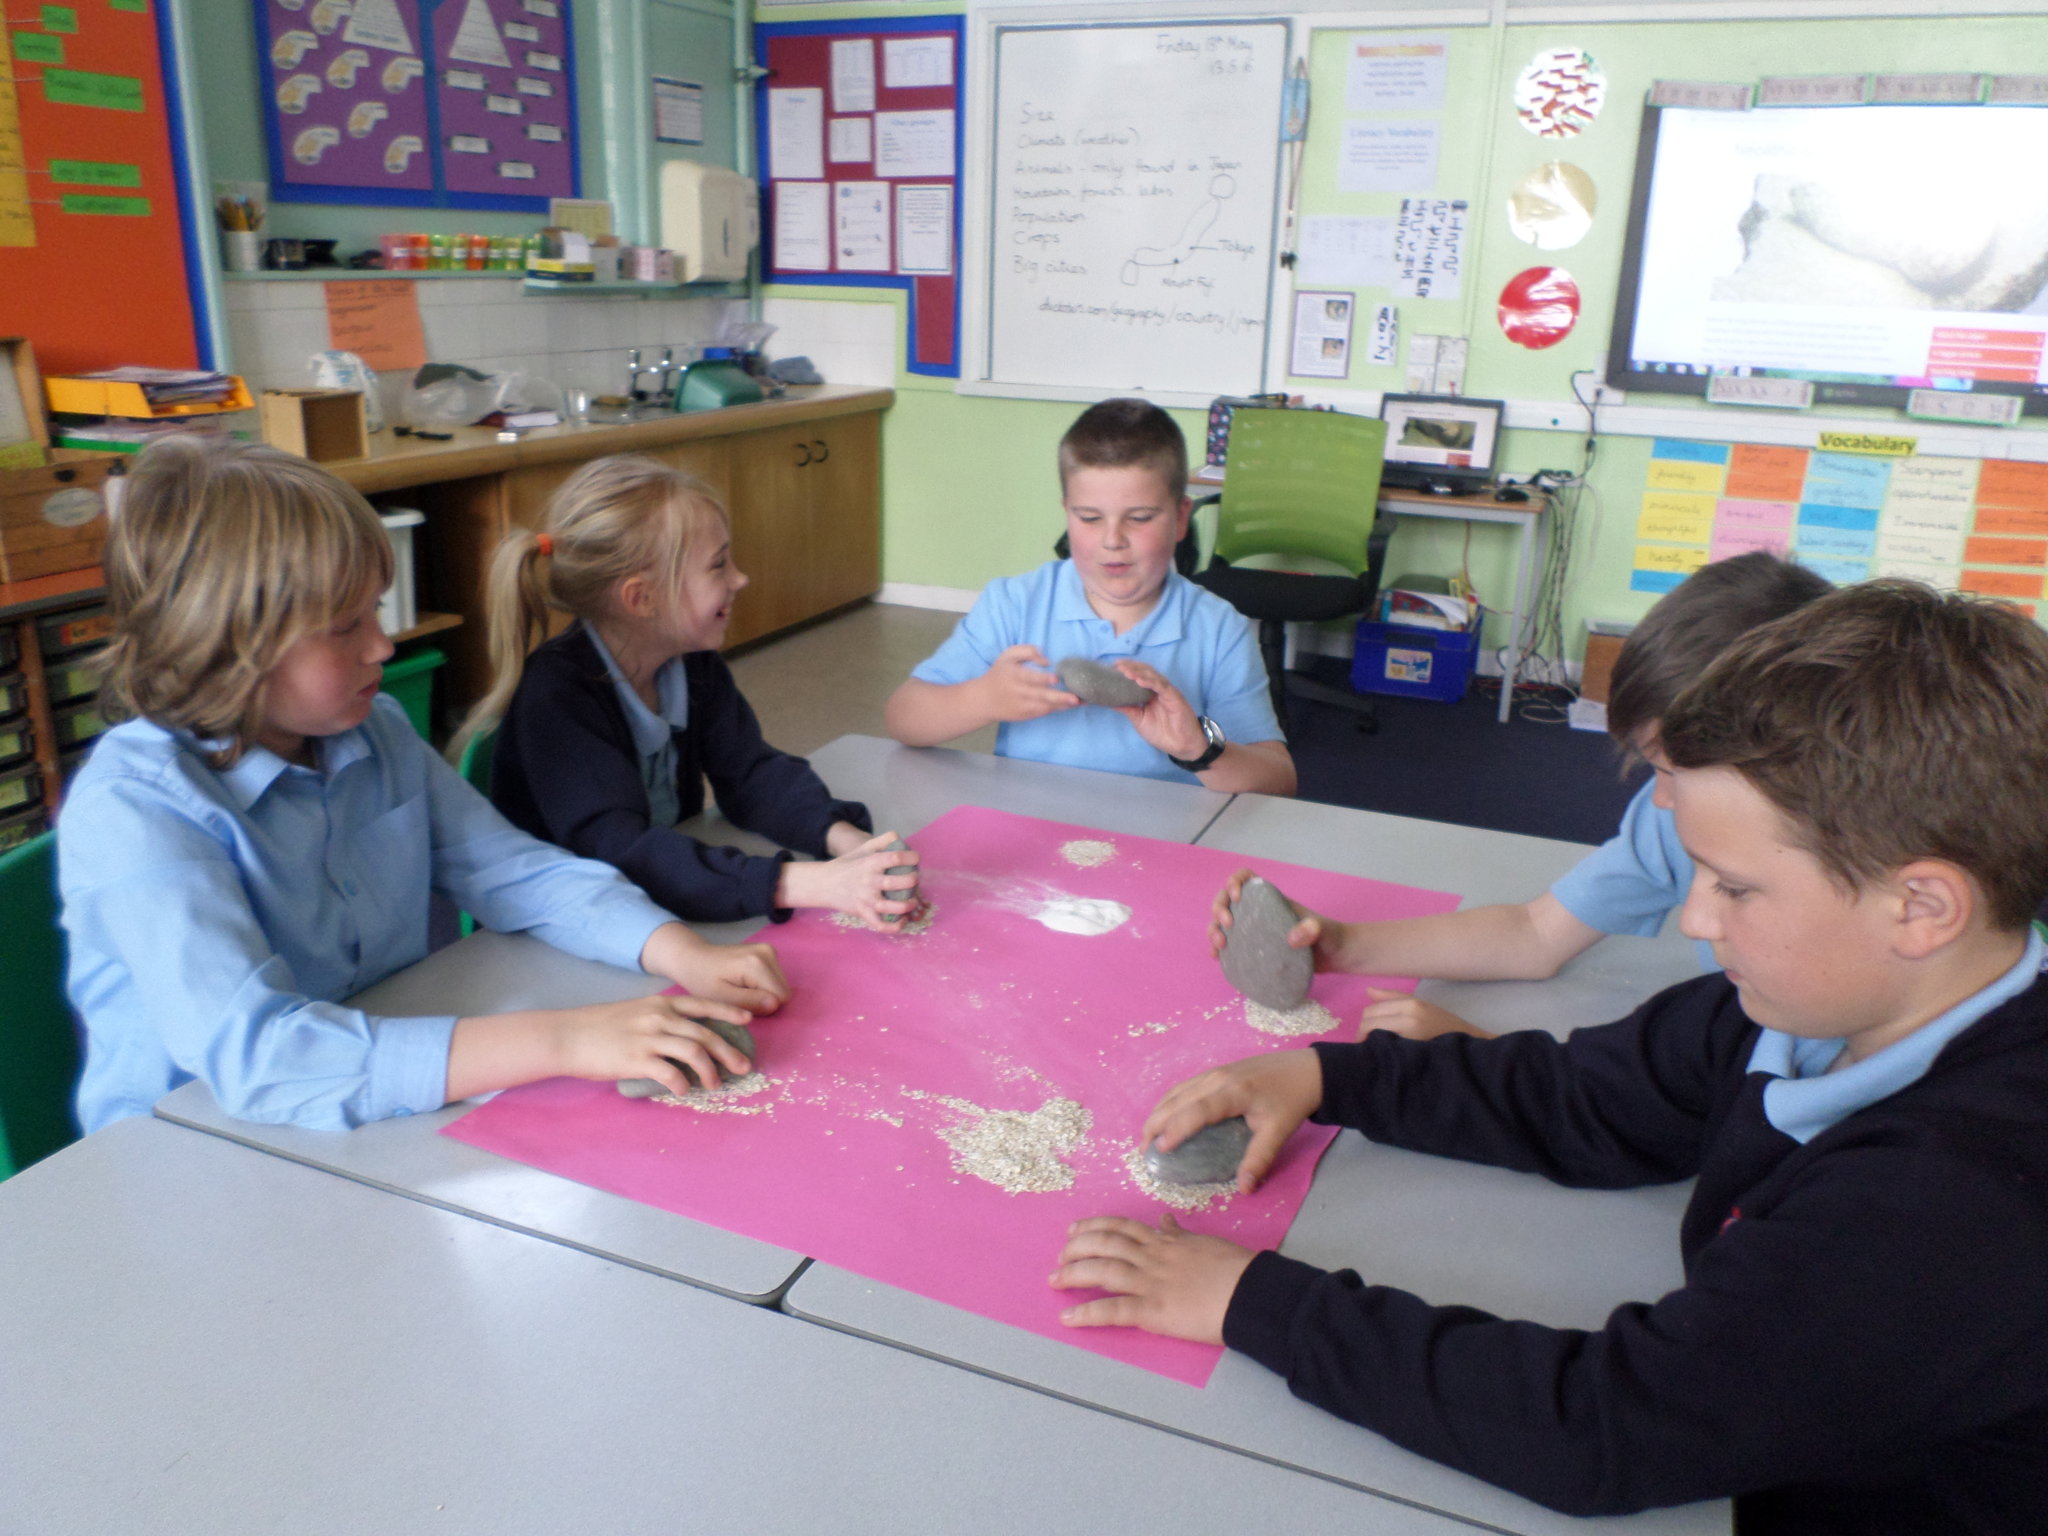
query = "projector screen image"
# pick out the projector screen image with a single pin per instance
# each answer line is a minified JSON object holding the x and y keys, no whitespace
{"x":1872,"y":250}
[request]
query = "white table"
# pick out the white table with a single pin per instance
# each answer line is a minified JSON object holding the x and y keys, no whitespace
{"x":198,"y":1340}
{"x":1452,"y":1232}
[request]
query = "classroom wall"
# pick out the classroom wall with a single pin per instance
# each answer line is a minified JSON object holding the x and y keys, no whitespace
{"x":970,"y":490}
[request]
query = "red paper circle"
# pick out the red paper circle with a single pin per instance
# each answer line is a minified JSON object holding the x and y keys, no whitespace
{"x":1539,"y":307}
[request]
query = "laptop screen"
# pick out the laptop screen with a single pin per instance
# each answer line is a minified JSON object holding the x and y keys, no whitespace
{"x":1442,"y":432}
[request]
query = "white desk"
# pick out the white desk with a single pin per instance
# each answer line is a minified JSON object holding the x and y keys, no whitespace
{"x":1451,"y":1232}
{"x":198,"y":1340}
{"x":1525,"y":517}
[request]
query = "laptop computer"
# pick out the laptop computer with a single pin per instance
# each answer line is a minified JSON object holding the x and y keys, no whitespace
{"x":1440,"y":443}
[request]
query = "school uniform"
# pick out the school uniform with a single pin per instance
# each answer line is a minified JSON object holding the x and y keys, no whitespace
{"x":1861,"y":1343}
{"x":1634,"y":880}
{"x":1194,"y":639}
{"x":581,"y":761}
{"x":216,"y":918}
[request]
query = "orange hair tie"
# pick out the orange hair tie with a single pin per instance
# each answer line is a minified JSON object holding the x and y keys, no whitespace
{"x":546,"y":544}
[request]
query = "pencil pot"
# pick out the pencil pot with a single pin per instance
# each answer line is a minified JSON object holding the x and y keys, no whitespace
{"x":1414,"y":663}
{"x":241,"y":250}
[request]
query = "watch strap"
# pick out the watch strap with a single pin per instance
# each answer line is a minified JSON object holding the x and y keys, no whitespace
{"x":1213,"y":734}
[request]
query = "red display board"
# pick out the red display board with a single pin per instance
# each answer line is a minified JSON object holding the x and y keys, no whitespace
{"x":94,"y":259}
{"x":860,"y":128}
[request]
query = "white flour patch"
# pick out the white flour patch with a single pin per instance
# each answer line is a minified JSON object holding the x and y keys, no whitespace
{"x":1083,"y":915}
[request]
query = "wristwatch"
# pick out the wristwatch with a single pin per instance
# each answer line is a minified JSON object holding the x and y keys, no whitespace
{"x":1211,"y":733}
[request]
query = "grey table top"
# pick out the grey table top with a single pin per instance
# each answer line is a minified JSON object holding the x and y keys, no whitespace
{"x":492,"y":972}
{"x":202,"y":1341}
{"x":1451,"y":1232}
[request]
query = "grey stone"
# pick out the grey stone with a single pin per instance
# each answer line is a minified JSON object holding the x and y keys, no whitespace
{"x":1094,"y":683}
{"x":900,"y":894}
{"x":734,"y":1034}
{"x":1210,"y":1156}
{"x":1256,"y":957}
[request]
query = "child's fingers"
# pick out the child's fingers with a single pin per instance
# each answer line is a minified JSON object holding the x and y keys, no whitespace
{"x":1106,"y":1312}
{"x":1106,"y":1237}
{"x":1268,"y":1138}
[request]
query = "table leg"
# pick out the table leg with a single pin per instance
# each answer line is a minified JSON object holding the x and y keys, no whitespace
{"x":1525,"y":594}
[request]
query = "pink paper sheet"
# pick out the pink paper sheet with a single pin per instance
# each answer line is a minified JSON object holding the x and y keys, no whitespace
{"x":842,"y":1159}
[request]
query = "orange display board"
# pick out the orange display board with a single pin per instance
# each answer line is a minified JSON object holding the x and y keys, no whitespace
{"x":93,"y":258}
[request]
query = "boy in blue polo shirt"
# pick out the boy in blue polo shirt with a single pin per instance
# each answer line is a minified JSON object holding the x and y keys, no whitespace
{"x":1118,"y":600}
{"x":1861,"y":1097}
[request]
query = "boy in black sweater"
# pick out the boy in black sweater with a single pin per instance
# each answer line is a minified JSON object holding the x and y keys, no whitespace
{"x":1861,"y":1344}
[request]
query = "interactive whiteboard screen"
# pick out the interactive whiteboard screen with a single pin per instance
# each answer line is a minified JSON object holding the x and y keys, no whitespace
{"x":1133,"y":174}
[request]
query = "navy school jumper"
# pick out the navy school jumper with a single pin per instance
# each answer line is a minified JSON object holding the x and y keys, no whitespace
{"x":566,"y":770}
{"x":1861,"y":1344}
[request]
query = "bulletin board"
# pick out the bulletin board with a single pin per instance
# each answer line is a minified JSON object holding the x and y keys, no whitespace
{"x":423,"y":103}
{"x":97,"y":265}
{"x":859,"y":127}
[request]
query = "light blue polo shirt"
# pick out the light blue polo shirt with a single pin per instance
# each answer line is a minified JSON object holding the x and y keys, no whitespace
{"x":1198,"y":642}
{"x":1634,"y":880}
{"x":653,"y":730}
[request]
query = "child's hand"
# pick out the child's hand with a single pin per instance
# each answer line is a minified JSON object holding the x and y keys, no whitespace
{"x":1406,"y":1014}
{"x":743,"y":975}
{"x":1274,"y":1093}
{"x":1171,"y":1281}
{"x":1021,"y":685}
{"x":1169,"y":721}
{"x":1306,"y":934}
{"x":857,"y":883}
{"x":647,"y":1037}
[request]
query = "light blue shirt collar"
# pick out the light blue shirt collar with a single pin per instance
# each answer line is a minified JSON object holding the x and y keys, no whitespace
{"x":1162,"y":626}
{"x":1808,"y":1099}
{"x":651,"y":728}
{"x":258,"y":767}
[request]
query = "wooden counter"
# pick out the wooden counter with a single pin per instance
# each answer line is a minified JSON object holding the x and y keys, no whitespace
{"x":801,"y":477}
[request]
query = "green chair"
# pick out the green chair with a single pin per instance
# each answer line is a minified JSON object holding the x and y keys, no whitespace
{"x":476,"y":768}
{"x":1301,"y":486}
{"x":38,"y":1042}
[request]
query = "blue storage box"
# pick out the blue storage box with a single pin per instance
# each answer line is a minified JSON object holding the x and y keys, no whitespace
{"x":1414,"y":663}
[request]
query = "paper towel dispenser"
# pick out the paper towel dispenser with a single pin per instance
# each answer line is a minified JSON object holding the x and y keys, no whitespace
{"x":710,"y":218}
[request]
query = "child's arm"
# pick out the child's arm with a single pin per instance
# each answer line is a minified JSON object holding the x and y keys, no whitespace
{"x":1019,"y":685}
{"x":1170,"y":723}
{"x":1529,"y":941}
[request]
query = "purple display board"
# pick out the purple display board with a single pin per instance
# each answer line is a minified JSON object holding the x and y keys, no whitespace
{"x":505,"y":97}
{"x":426,"y":103}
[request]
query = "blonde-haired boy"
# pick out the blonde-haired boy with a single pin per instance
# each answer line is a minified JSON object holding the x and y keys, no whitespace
{"x":1861,"y":1344}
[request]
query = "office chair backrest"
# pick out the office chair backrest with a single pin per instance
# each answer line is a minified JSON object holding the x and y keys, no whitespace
{"x":1301,"y":483}
{"x":38,"y":1041}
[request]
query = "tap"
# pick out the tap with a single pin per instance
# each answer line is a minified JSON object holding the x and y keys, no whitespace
{"x":666,"y":370}
{"x":633,"y":372}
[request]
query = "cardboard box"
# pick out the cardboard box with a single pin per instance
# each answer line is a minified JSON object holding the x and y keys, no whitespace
{"x":53,"y":517}
{"x":317,"y":424}
{"x":1598,"y":671}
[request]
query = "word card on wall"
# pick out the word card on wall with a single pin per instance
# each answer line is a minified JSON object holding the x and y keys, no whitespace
{"x":1977,"y":525}
{"x":95,"y":257}
{"x":430,"y":103}
{"x":860,"y":128}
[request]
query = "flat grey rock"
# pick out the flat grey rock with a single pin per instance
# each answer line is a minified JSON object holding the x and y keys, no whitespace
{"x":1210,"y":1156}
{"x":1256,"y":957}
{"x":735,"y":1034}
{"x":901,"y":869}
{"x":1094,"y":683}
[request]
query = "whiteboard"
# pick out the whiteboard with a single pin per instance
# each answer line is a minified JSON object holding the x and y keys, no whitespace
{"x":1133,"y":173}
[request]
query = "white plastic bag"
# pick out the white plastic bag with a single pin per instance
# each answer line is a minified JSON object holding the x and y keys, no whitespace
{"x":344,"y":370}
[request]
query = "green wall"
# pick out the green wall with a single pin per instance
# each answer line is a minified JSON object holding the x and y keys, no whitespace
{"x":970,"y":489}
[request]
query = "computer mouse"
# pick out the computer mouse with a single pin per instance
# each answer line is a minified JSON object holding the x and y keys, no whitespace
{"x":1511,"y":493}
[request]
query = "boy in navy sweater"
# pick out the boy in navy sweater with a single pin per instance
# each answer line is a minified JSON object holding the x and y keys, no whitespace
{"x":1861,"y":1344}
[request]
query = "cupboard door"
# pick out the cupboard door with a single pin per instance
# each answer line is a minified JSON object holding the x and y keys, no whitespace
{"x":806,"y":521}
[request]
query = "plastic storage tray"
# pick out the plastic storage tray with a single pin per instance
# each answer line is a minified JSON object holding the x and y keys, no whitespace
{"x":1414,"y":663}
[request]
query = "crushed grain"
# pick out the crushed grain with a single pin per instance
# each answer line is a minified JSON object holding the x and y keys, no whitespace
{"x":917,"y":922}
{"x":1087,"y":852}
{"x":1019,"y":1152}
{"x":1182,"y":1197}
{"x":1147,"y":1029}
{"x":726,"y":1099}
{"x":1311,"y":1018}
